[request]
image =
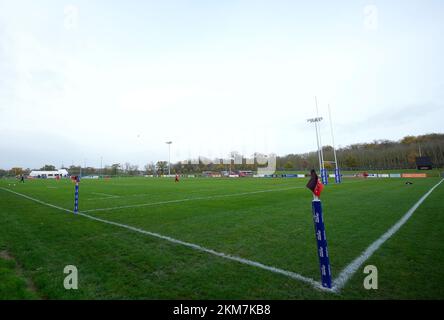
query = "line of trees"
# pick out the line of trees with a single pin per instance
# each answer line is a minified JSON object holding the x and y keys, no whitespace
{"x":16,"y":171}
{"x":379,"y":154}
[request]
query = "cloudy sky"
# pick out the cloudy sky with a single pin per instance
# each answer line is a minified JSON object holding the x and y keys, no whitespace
{"x":81,"y":80}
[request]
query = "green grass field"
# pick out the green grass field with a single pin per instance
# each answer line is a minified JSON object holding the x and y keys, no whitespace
{"x":267,"y":221}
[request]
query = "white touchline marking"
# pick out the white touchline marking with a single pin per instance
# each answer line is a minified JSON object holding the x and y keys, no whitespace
{"x":338,"y":283}
{"x":105,"y":194}
{"x":36,"y":200}
{"x":350,"y":269}
{"x":289,"y":274}
{"x":189,"y":199}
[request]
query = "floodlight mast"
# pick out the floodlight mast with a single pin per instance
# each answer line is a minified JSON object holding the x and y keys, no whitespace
{"x":169,"y":156}
{"x":315,"y":121}
{"x":333,"y":137}
{"x":319,"y":129}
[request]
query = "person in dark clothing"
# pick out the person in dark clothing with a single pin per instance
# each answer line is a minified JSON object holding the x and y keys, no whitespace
{"x":315,"y":185}
{"x":22,"y":179}
{"x":313,"y":180}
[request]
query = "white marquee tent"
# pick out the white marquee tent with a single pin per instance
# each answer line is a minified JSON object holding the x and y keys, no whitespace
{"x":62,"y":173}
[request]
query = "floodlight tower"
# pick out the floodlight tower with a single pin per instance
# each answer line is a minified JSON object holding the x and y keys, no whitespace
{"x":319,"y":129}
{"x":169,"y":156}
{"x":333,"y":138}
{"x":315,"y":121}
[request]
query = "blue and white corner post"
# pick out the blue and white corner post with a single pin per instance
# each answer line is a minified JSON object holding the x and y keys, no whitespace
{"x":321,"y":239}
{"x":76,"y":196}
{"x":324,"y":176}
{"x":338,"y":177}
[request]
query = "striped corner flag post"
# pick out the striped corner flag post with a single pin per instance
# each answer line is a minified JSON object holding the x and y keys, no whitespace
{"x":76,"y":197}
{"x":338,"y":178}
{"x":321,"y":238}
{"x":324,"y":176}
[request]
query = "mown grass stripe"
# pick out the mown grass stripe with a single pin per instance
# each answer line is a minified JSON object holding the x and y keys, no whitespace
{"x":351,"y":268}
{"x":286,"y":273}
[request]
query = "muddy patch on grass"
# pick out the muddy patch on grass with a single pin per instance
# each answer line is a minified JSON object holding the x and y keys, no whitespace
{"x":5,"y":255}
{"x":30,"y":286}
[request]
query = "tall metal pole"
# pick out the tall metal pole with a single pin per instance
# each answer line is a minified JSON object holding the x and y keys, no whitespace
{"x":169,"y":156}
{"x":320,"y":141}
{"x":333,"y":137}
{"x":319,"y":151}
{"x":316,"y":120}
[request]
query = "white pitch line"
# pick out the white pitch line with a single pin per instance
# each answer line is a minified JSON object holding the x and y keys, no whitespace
{"x":189,"y":199}
{"x":286,"y":273}
{"x":350,"y":269}
{"x":36,"y":200}
{"x":105,"y":194}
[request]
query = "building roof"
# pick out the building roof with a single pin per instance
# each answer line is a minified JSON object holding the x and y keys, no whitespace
{"x":60,"y":171}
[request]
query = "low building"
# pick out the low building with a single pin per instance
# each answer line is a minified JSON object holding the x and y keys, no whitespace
{"x":61,"y":173}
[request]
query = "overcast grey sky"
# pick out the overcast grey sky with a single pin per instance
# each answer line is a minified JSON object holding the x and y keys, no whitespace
{"x":81,"y":80}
